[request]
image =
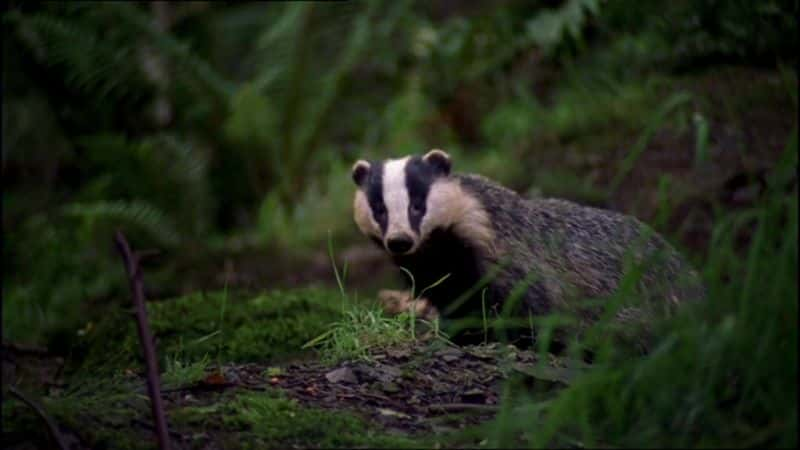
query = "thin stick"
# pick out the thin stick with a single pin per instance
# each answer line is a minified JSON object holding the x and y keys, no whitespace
{"x":463,"y":407}
{"x":51,"y":424}
{"x":145,"y":338}
{"x":24,"y":348}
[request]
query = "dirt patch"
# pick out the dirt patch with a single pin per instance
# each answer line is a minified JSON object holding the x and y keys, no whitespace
{"x":402,"y":390}
{"x":414,"y":390}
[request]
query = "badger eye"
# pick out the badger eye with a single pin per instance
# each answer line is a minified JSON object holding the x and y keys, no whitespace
{"x":416,"y":208}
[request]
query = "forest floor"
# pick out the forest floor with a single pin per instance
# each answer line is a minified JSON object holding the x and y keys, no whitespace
{"x":233,"y":373}
{"x":425,"y":392}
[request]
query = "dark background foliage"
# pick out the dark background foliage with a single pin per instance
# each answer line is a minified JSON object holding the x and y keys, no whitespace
{"x":222,"y":133}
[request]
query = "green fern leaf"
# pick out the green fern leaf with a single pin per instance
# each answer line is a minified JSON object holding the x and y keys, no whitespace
{"x":134,"y":213}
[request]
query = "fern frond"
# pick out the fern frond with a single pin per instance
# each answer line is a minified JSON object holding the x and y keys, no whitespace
{"x":134,"y":213}
{"x":179,"y":52}
{"x":90,"y":64}
{"x":187,"y":168}
{"x":176,"y":172}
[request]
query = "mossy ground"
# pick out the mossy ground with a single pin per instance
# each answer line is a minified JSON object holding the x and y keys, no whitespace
{"x":216,"y":326}
{"x":104,"y":400}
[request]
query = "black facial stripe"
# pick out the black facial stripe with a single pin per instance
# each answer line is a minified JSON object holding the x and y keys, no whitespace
{"x":419,"y":177}
{"x":374,"y":191}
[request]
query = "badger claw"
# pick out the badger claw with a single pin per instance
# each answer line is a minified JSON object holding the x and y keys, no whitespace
{"x":395,"y":302}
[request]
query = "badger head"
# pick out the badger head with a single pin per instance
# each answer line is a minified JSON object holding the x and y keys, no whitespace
{"x":400,"y":201}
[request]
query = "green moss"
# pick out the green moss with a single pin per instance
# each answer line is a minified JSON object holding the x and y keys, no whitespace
{"x":223,"y":327}
{"x":269,"y":419}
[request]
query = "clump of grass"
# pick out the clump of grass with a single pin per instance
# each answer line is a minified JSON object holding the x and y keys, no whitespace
{"x":178,"y":372}
{"x":361,"y":331}
{"x":364,"y":329}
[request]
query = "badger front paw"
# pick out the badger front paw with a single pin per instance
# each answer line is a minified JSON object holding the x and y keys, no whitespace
{"x":395,"y":302}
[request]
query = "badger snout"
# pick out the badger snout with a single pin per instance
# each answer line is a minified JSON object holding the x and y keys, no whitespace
{"x":399,"y":244}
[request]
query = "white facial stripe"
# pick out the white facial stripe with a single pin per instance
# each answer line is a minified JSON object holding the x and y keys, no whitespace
{"x":395,"y":197}
{"x":363,"y":216}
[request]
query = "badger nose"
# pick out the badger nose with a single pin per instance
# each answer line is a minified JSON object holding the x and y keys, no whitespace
{"x":399,"y":244}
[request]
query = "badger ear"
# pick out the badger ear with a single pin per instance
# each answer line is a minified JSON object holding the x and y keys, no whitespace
{"x":360,"y":171}
{"x":439,"y":160}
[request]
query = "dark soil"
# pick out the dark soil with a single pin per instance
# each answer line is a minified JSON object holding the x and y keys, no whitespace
{"x":403,"y":389}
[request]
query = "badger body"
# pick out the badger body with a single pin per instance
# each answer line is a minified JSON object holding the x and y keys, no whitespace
{"x":549,"y":255}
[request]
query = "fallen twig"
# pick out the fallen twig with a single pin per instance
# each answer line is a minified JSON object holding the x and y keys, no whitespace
{"x":51,"y":424}
{"x":131,"y":261}
{"x":24,"y":348}
{"x":253,"y":387}
{"x":463,"y":407}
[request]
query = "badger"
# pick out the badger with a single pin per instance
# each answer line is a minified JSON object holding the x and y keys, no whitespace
{"x":472,"y":245}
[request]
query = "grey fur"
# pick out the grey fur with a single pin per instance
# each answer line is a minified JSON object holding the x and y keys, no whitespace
{"x":577,"y":252}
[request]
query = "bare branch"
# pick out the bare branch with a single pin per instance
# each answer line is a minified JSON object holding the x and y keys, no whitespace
{"x":145,"y":338}
{"x":463,"y":407}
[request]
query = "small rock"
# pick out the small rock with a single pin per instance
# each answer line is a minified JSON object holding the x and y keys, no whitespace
{"x":365,"y":373}
{"x":473,"y":396}
{"x":450,"y":354}
{"x":388,"y":373}
{"x":341,"y":375}
{"x":393,"y":413}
